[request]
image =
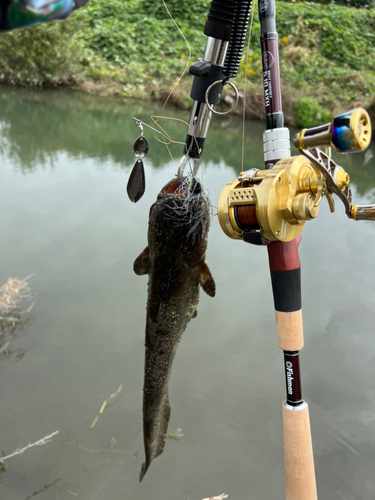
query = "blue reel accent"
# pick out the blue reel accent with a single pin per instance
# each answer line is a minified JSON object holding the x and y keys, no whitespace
{"x":342,"y":136}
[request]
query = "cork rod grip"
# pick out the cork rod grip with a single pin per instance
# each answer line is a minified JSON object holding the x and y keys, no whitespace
{"x":289,"y":329}
{"x":300,"y":483}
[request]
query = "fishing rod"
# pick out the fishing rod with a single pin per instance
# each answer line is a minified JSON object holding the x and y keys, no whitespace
{"x":269,"y":207}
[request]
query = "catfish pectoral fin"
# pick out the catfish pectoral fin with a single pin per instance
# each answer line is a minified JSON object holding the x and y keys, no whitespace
{"x":206,"y":281}
{"x":142,"y":264}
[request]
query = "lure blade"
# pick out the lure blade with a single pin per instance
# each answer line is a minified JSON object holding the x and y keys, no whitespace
{"x":137,"y":182}
{"x":140,"y":147}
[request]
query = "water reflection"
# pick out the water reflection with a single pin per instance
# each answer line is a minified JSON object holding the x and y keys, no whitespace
{"x":37,"y":125}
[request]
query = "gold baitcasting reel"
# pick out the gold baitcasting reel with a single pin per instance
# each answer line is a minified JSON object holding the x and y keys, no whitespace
{"x":275,"y":203}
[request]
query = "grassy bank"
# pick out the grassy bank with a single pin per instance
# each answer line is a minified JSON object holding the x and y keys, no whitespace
{"x":132,"y":48}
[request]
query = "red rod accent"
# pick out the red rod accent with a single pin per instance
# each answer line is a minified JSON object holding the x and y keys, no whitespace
{"x":284,"y":256}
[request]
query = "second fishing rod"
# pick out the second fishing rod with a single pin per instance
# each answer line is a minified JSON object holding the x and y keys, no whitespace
{"x":285,"y":269}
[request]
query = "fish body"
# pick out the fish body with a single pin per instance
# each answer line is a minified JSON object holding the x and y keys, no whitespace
{"x":175,"y":262}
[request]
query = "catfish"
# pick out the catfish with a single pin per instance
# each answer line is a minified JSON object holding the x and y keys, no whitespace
{"x":175,"y":263}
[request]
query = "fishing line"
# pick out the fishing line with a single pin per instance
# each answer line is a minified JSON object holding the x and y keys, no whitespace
{"x":212,"y":212}
{"x":161,"y":131}
{"x":155,"y":119}
{"x":244,"y":86}
{"x":165,"y":134}
{"x":189,"y":58}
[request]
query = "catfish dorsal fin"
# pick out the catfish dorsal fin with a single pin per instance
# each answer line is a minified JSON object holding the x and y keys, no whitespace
{"x":206,"y":281}
{"x":142,"y":264}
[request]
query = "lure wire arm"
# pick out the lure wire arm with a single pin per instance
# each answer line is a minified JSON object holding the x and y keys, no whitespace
{"x":140,"y":125}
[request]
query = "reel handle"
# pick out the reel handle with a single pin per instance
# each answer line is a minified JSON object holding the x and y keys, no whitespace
{"x":363,"y":212}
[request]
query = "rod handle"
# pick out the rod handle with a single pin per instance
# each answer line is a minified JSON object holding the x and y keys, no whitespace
{"x":300,"y":480}
{"x":286,"y":287}
{"x":363,"y":212}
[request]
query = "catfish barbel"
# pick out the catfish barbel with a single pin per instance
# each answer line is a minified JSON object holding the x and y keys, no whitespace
{"x":175,"y":262}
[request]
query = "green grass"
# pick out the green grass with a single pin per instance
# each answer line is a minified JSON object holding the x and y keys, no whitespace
{"x":132,"y":48}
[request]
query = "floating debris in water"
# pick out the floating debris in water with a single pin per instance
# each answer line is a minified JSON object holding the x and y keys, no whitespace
{"x":20,"y":451}
{"x":101,"y":412}
{"x":220,"y":497}
{"x":176,"y":434}
{"x":16,"y":302}
{"x":13,"y":295}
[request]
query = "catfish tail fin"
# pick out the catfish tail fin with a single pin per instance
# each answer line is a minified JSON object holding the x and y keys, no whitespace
{"x":154,"y":435}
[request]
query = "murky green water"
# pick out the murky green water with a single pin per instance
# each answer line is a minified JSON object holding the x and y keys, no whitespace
{"x":64,"y":162}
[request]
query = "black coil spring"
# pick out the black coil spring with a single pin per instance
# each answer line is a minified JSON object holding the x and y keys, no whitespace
{"x":237,"y":38}
{"x":222,"y":11}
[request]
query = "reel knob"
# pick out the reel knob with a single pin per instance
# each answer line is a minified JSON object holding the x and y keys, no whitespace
{"x":349,"y":132}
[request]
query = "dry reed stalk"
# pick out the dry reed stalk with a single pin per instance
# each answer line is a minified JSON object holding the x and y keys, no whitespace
{"x":19,"y":451}
{"x":219,"y":497}
{"x":16,"y":302}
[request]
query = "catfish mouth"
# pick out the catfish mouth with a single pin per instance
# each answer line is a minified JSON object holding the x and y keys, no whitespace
{"x":188,"y":186}
{"x":186,"y":202}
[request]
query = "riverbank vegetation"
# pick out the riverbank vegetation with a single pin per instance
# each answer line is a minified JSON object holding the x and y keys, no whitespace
{"x":131,"y":48}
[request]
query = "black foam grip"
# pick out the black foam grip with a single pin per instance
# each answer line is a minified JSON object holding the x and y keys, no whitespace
{"x":286,"y":286}
{"x":220,"y":19}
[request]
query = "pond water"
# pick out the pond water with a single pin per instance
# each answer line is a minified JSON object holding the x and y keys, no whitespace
{"x":65,"y":218}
